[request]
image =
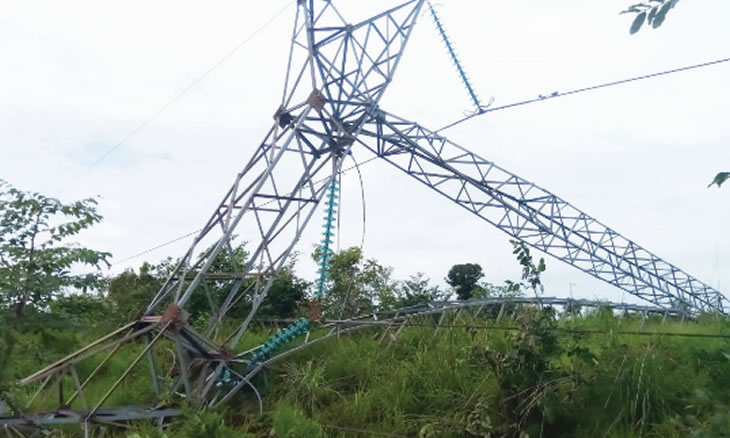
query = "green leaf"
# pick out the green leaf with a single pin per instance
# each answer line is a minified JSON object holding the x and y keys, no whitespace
{"x":541,"y":265}
{"x":652,"y":14}
{"x":638,"y":22}
{"x":720,"y":178}
{"x":661,"y":15}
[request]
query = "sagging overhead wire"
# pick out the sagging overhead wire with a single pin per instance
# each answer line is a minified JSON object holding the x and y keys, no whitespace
{"x":154,"y":248}
{"x":556,"y":94}
{"x":177,"y":97}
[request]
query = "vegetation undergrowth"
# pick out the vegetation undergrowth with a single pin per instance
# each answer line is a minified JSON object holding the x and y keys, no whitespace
{"x":533,"y":373}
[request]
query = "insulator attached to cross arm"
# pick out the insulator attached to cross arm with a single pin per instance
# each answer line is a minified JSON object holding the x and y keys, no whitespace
{"x":455,"y":59}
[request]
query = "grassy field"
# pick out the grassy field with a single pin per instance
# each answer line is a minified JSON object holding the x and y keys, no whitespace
{"x":532,"y":374}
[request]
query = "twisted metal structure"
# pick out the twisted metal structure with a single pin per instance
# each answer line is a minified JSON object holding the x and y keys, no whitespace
{"x":337,"y":73}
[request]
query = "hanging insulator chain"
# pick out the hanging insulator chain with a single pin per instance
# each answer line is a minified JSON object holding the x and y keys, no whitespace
{"x":455,"y":58}
{"x":328,"y":234}
{"x":302,"y":325}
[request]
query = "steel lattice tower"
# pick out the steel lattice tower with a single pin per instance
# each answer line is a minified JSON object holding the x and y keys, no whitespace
{"x":336,"y":75}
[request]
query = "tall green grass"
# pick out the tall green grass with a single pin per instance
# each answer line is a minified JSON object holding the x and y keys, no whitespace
{"x":542,"y":380}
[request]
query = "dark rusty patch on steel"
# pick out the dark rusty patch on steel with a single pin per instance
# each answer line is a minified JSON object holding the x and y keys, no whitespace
{"x":175,"y":315}
{"x":316,"y":100}
{"x":315,"y":313}
{"x":226,"y":353}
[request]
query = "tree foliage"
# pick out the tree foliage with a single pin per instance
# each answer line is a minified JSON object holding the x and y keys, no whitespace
{"x":418,"y":290}
{"x":357,"y":285}
{"x":37,"y":258}
{"x":653,"y":13}
{"x":36,"y":254}
{"x":720,"y":178}
{"x":530,"y":271}
{"x":286,"y":295}
{"x":81,"y":310}
{"x":464,"y":278}
{"x":132,"y":291}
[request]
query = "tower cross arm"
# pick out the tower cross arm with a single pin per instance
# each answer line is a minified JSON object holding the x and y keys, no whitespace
{"x":528,"y":212}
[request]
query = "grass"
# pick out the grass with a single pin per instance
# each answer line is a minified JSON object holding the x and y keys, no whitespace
{"x":465,"y":382}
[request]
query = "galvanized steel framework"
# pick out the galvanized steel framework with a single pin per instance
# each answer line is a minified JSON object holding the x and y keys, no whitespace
{"x":336,"y":76}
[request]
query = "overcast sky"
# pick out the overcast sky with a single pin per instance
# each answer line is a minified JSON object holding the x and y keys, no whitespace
{"x":78,"y":76}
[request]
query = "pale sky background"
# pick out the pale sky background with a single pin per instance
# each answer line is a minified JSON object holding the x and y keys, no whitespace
{"x":78,"y":76}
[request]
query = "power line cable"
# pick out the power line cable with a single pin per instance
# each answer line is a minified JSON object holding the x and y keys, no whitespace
{"x":147,"y":251}
{"x":177,"y":239}
{"x":177,"y":97}
{"x":581,"y":90}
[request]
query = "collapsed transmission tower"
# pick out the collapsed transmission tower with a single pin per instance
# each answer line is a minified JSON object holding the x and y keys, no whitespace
{"x":336,"y":75}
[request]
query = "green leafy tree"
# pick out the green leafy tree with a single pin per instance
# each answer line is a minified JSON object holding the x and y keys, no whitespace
{"x":357,"y":285}
{"x":530,"y":271}
{"x":653,"y":13}
{"x":212,"y":292}
{"x":491,"y":290}
{"x":36,"y":254}
{"x":418,"y":290}
{"x":286,"y":295}
{"x":464,"y":278}
{"x":37,"y":258}
{"x":131,"y":292}
{"x":282,"y":301}
{"x":82,"y":310}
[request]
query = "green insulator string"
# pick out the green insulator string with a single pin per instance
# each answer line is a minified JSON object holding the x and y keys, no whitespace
{"x":283,"y":337}
{"x":301,"y":326}
{"x":455,"y":58}
{"x":330,"y":219}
